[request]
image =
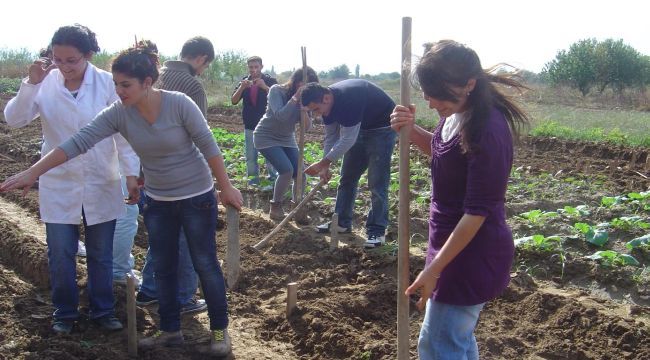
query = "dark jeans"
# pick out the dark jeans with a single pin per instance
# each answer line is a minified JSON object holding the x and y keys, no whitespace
{"x":198,"y":218}
{"x":62,"y":243}
{"x":373,"y":151}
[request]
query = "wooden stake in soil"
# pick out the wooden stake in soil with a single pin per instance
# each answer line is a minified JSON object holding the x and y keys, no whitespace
{"x":232,"y":252}
{"x":404,"y":192}
{"x":268,"y":237}
{"x":130,"y":316}
{"x":298,"y":192}
{"x":334,"y":234}
{"x":292,"y":297}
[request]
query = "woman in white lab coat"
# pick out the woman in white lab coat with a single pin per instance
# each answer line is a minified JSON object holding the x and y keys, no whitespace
{"x":67,"y":94}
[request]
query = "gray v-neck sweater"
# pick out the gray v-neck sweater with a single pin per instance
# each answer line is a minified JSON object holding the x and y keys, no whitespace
{"x":173,"y":150}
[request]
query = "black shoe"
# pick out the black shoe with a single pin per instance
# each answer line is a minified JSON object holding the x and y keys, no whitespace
{"x":325,"y":229}
{"x":143,"y":299}
{"x":109,"y":322}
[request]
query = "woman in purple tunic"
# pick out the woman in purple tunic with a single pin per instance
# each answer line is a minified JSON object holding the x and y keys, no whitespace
{"x":470,"y":245}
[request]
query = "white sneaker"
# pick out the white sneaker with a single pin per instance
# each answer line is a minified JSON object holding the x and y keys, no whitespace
{"x":374,"y":241}
{"x":81,"y":249}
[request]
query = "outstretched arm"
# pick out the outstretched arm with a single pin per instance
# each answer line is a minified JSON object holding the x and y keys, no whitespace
{"x":25,"y":179}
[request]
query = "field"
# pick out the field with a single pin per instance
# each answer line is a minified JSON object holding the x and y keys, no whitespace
{"x":566,"y":299}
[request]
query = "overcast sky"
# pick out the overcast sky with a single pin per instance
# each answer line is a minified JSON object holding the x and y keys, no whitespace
{"x":526,"y":34}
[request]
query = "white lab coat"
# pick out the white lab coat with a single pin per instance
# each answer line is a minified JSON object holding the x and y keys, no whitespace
{"x":92,"y":180}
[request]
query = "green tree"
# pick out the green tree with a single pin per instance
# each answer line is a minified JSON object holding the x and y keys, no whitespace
{"x":576,"y":67}
{"x":618,"y":65}
{"x":339,"y":72}
{"x":229,"y":64}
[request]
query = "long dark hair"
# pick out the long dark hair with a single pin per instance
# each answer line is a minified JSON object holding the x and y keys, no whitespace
{"x":448,"y":64}
{"x":140,"y":61}
{"x":292,"y":84}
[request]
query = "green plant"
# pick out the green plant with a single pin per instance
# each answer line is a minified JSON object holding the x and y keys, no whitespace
{"x":643,"y":241}
{"x":538,"y":217}
{"x":628,"y":223}
{"x":593,"y":234}
{"x":575,"y":212}
{"x":613,"y":258}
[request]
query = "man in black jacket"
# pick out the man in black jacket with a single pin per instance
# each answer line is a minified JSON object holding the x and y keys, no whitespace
{"x":253,"y":89}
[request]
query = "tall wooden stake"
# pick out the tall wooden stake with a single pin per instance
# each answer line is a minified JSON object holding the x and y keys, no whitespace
{"x":130,"y":316}
{"x":403,"y":214}
{"x":297,"y":194}
{"x":232,"y":252}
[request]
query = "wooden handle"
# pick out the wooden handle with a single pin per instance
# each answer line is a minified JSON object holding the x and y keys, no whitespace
{"x":233,"y":250}
{"x":268,"y":237}
{"x":130,"y":316}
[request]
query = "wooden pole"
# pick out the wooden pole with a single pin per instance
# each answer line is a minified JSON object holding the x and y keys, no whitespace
{"x":268,"y":237}
{"x":334,"y":234}
{"x":292,"y":297}
{"x":404,"y":202}
{"x":297,"y":193}
{"x":232,"y":252}
{"x":130,"y":316}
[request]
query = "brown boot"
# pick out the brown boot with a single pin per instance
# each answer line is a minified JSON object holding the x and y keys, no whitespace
{"x":300,"y":217}
{"x":276,"y":212}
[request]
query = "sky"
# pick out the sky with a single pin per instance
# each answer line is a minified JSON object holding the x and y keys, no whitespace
{"x":524,"y":34}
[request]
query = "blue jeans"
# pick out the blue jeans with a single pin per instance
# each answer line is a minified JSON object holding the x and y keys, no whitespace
{"x":252,"y":167}
{"x":188,"y":280}
{"x":197,"y":216}
{"x":373,"y":151}
{"x":62,"y":243}
{"x":285,"y":161}
{"x":125,"y":229}
{"x":448,"y":332}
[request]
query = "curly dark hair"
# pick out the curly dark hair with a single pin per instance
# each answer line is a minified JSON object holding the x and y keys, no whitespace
{"x":78,"y":36}
{"x":140,"y":61}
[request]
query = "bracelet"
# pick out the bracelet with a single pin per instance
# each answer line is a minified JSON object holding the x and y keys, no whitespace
{"x":437,"y":276}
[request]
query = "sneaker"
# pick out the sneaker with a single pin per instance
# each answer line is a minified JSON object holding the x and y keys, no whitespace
{"x":194,"y":306}
{"x":122,"y":281}
{"x":162,"y":338}
{"x":374,"y":241}
{"x":109,"y":322}
{"x":81,"y":249}
{"x":220,"y":344}
{"x":143,"y":299}
{"x":325,"y":229}
{"x":62,"y":326}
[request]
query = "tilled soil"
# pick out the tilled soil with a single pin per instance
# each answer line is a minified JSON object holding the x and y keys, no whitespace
{"x":346,"y":297}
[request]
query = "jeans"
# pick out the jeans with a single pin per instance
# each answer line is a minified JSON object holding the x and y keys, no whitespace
{"x":373,"y":151}
{"x":62,"y":242}
{"x":188,"y":280}
{"x":125,"y":229}
{"x":197,"y":217}
{"x":252,"y":167}
{"x":285,"y":161}
{"x":448,"y":332}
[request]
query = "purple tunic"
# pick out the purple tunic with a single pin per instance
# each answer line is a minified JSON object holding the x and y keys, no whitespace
{"x":472,"y":184}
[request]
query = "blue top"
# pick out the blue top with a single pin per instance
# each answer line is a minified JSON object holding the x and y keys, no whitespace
{"x":358,"y":101}
{"x":472,"y":184}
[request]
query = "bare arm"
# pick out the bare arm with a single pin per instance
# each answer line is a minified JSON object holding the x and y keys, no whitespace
{"x":236,"y":96}
{"x":403,"y":116}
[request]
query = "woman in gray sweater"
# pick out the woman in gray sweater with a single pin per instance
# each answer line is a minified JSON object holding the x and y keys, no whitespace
{"x":275,"y":138}
{"x":179,"y":156}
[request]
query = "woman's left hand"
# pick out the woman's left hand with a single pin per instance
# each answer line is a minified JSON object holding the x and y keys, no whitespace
{"x":23,"y":180}
{"x":231,"y":196}
{"x":426,"y":281}
{"x":402,"y":116}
